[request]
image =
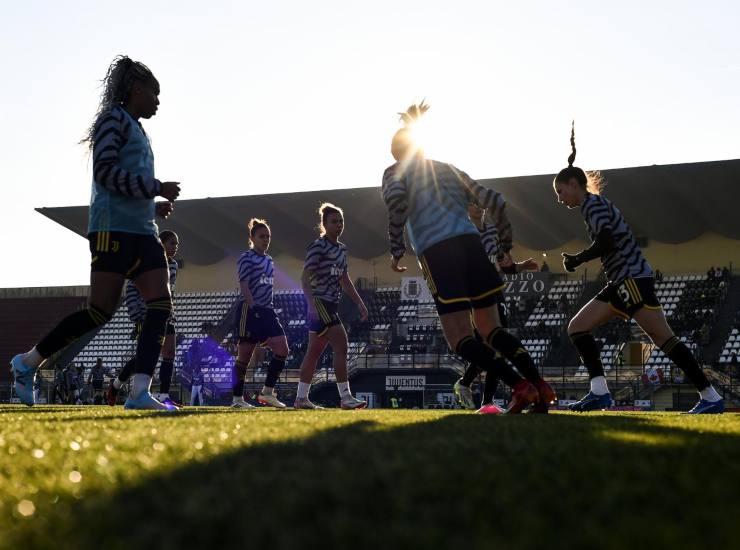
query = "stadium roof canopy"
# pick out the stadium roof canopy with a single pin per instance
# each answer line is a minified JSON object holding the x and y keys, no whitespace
{"x":669,"y":203}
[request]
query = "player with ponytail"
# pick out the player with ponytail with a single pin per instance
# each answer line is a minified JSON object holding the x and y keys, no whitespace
{"x":629,"y":293}
{"x":325,"y":277}
{"x":430,"y":199}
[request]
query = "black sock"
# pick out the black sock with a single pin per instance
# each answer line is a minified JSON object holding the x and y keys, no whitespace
{"x":484,"y":357}
{"x":469,"y":375}
{"x":585,"y":343}
{"x":165,"y":375}
{"x":127,"y":370}
{"x":681,"y":355}
{"x":240,"y":370}
{"x":511,"y":348}
{"x":489,"y":389}
{"x":70,"y":329}
{"x":152,"y":334}
{"x":472,"y":371}
{"x":274,"y":370}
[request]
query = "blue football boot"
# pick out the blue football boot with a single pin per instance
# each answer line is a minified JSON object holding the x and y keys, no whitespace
{"x":708,"y":407}
{"x":24,"y":377}
{"x":146,"y":402}
{"x":592,"y":402}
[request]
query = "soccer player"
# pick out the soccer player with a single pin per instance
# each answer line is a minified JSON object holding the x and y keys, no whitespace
{"x":629,"y":293}
{"x":496,"y":238}
{"x":137,"y":311}
{"x":324,"y":278}
{"x":431,"y":199}
{"x":258,"y":323}
{"x":97,"y":373}
{"x":121,"y":230}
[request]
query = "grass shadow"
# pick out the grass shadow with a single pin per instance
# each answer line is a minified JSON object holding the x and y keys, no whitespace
{"x":457,"y":481}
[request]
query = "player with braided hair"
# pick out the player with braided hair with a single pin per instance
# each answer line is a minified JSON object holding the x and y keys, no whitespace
{"x":431,"y":199}
{"x":629,"y":293}
{"x":121,"y":230}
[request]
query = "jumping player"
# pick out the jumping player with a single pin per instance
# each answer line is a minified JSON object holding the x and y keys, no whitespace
{"x":496,"y":237}
{"x":137,"y":311}
{"x":121,"y":230}
{"x":431,"y":199}
{"x":258,"y":323}
{"x":324,"y":277}
{"x":629,"y":293}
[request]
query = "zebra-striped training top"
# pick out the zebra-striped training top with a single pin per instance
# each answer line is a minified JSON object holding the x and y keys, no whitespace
{"x":258,"y":271}
{"x":124,"y":186}
{"x":625,"y":259}
{"x":327,"y":263}
{"x":431,"y":199}
{"x":489,"y":238}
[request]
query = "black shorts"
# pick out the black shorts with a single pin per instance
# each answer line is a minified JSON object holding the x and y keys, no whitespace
{"x":328,"y":316}
{"x":97,"y":385}
{"x":629,"y":296}
{"x":460,"y":275}
{"x":258,"y":324}
{"x":128,"y":254}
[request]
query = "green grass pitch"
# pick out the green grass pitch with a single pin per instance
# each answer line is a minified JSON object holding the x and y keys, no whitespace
{"x":101,"y":477}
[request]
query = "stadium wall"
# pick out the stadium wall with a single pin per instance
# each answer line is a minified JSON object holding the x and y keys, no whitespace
{"x":695,"y":256}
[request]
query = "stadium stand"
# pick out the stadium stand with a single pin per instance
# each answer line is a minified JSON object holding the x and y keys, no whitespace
{"x":731,"y":349}
{"x":114,"y":344}
{"x":406,"y":333}
{"x":408,"y":327}
{"x":25,"y":320}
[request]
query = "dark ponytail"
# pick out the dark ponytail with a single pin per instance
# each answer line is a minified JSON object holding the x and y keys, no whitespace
{"x":572,"y":157}
{"x":592,"y":182}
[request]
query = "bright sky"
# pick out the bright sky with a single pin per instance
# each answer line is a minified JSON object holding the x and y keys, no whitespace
{"x":262,"y":97}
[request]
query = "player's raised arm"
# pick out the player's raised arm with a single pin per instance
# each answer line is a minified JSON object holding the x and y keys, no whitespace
{"x":396,"y":202}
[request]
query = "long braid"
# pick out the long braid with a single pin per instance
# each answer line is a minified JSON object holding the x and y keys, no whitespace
{"x":572,"y":156}
{"x":117,"y":84}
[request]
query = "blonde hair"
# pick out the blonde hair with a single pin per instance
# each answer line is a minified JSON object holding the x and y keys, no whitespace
{"x":402,"y":143}
{"x":325,"y":209}
{"x":595,"y":182}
